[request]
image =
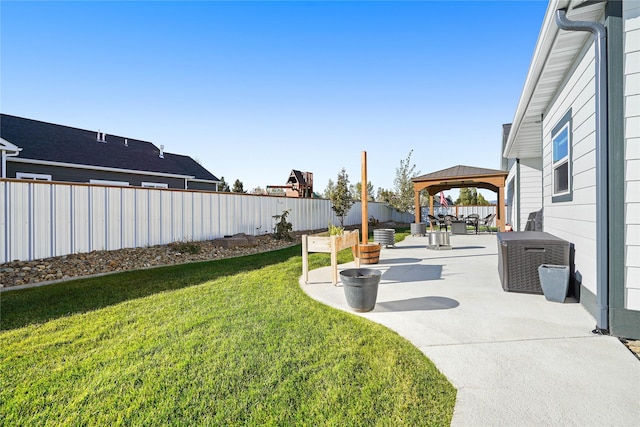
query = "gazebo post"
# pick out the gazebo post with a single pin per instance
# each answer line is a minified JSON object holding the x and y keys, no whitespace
{"x":416,"y":199}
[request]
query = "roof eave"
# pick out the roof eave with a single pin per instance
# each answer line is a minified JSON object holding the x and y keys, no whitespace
{"x":544,"y":45}
{"x":553,"y":57}
{"x":100,"y":168}
{"x":9,"y":148}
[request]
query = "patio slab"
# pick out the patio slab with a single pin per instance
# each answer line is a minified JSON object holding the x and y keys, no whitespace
{"x":516,"y":359}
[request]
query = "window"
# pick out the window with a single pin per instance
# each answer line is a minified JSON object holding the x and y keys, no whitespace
{"x":154,"y":185}
{"x":105,"y":182}
{"x":34,"y":176}
{"x":561,"y":160}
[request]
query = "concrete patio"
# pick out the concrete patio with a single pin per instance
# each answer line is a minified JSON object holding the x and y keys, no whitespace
{"x":515,"y":359}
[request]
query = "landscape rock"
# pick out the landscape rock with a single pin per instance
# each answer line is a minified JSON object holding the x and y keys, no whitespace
{"x":99,"y":262}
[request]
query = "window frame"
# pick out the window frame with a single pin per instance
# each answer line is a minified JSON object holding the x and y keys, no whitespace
{"x":33,"y":176}
{"x":565,"y":123}
{"x":109,"y":183}
{"x":161,"y":185}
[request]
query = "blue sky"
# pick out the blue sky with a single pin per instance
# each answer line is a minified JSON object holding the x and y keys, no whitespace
{"x":255,"y":89}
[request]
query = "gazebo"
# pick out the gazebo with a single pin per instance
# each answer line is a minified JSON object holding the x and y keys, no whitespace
{"x":462,"y":177}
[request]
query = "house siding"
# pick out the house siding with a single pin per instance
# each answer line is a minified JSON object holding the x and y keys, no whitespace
{"x":530,"y":188}
{"x":575,"y":220}
{"x":202,"y":186}
{"x":80,"y":175}
{"x":511,"y":186}
{"x":631,"y":17}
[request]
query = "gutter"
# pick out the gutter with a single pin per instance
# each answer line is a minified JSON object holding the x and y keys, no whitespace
{"x":8,"y":150}
{"x":602,"y":152}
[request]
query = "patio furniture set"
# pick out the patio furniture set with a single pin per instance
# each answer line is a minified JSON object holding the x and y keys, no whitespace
{"x":458,"y":225}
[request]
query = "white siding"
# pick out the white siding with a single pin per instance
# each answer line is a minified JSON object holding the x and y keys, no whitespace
{"x":529,"y":199}
{"x":631,"y":16}
{"x":530,"y":188}
{"x":41,"y":219}
{"x":575,"y":221}
{"x":512,"y":197}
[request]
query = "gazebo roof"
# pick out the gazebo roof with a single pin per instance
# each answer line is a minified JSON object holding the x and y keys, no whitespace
{"x":462,"y":177}
{"x":459,"y":172}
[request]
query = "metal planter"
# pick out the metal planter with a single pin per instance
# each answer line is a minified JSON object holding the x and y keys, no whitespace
{"x":360,"y":287}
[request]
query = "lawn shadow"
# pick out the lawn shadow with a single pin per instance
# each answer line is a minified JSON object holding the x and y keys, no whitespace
{"x":417,"y":304}
{"x":40,"y":304}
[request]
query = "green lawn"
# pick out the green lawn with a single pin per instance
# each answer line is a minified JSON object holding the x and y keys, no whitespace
{"x":228,"y":342}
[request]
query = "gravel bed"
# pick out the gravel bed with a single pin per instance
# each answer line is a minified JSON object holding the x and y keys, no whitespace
{"x":17,"y":273}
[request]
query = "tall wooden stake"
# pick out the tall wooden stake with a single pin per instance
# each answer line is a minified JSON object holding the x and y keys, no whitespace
{"x":365,"y":212}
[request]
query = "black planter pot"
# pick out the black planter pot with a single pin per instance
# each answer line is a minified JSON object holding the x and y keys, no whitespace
{"x":360,"y":287}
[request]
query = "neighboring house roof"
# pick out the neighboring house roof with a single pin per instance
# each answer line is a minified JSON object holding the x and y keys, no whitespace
{"x":50,"y":142}
{"x":459,"y":171}
{"x":554,"y":54}
{"x":298,"y":176}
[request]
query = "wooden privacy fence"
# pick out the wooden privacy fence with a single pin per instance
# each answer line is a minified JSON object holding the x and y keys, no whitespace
{"x":46,"y":219}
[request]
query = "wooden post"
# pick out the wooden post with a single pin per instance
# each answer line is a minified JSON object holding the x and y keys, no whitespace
{"x":365,"y":212}
{"x":305,"y":259}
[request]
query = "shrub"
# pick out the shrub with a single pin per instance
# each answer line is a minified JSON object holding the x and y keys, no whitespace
{"x":282,"y":227}
{"x":335,"y":230}
{"x":186,"y":247}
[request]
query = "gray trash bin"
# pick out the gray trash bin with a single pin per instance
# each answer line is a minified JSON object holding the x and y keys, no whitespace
{"x":554,"y":280}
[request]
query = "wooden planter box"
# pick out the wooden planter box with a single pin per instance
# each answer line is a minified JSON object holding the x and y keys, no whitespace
{"x":331,"y":245}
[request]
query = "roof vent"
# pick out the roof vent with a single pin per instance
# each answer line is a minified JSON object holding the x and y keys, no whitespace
{"x":101,"y":137}
{"x":126,"y":142}
{"x":161,"y":152}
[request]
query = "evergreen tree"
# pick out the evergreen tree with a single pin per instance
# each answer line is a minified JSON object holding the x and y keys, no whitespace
{"x":331,"y":186}
{"x":470,"y":197}
{"x":223,"y":186}
{"x":341,"y":198}
{"x":356,"y":191}
{"x":238,"y":187}
{"x":385,"y":196}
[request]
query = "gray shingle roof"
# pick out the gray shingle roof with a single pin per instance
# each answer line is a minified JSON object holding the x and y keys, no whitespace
{"x":63,"y":144}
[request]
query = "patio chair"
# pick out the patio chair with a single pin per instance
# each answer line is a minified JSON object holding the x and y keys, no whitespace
{"x":433,"y":221}
{"x":473,"y":220}
{"x":534,"y":221}
{"x":446,"y":222}
{"x":486,"y":222}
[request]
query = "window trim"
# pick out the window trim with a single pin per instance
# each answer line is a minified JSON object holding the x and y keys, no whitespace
{"x":33,"y":176}
{"x":566,"y":122}
{"x":161,"y":185}
{"x":109,"y":183}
